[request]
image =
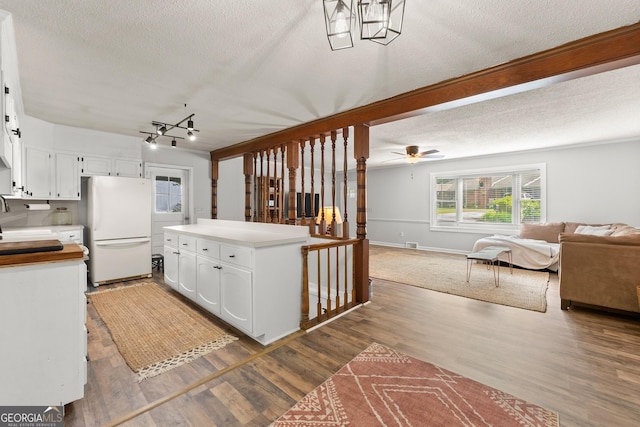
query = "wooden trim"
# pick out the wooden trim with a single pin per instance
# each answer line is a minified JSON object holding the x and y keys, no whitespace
{"x":591,"y":55}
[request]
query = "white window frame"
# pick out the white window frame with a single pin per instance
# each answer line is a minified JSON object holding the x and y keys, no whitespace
{"x":496,"y":228}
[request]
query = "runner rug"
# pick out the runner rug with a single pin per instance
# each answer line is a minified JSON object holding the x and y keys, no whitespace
{"x":154,"y":330}
{"x":381,"y":387}
{"x":519,"y":288}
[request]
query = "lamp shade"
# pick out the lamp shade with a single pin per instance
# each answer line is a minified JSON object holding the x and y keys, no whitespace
{"x":328,"y":215}
{"x":339,"y":19}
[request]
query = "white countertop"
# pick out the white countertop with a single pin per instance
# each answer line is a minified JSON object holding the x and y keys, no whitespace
{"x":26,"y":234}
{"x":245,"y":235}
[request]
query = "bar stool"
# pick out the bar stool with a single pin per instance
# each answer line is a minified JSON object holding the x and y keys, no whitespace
{"x":157,"y":261}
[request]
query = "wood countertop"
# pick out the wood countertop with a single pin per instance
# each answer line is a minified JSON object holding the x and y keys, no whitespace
{"x":69,"y":252}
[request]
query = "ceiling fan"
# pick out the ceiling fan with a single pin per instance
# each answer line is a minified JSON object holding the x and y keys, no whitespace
{"x":414,"y":155}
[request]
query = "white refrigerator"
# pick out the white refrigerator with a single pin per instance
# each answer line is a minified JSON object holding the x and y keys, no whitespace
{"x":118,"y":228}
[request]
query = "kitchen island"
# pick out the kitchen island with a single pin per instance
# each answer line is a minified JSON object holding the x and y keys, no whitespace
{"x":42,"y":318}
{"x":247,"y":274}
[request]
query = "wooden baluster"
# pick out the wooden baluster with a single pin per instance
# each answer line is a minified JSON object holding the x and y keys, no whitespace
{"x":303,"y":221}
{"x":293,"y":152}
{"x":329,"y":283}
{"x":323,"y":222}
{"x":248,"y":172}
{"x":345,"y":222}
{"x":338,"y":279}
{"x":346,"y":277}
{"x":267,"y":187}
{"x":263,"y":204}
{"x":334,"y":224}
{"x":304,"y":308}
{"x":312,"y":223}
{"x":255,"y":187}
{"x":214,"y":189}
{"x":319,"y":303}
{"x":281,"y":186}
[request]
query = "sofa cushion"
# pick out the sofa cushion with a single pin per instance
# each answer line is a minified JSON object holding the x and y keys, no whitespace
{"x":624,"y":230}
{"x":548,"y":231}
{"x":602,"y":230}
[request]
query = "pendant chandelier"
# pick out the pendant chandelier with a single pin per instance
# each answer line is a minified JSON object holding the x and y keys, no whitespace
{"x":380,"y":21}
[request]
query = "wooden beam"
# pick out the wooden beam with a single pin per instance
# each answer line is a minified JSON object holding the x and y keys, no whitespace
{"x":591,"y":55}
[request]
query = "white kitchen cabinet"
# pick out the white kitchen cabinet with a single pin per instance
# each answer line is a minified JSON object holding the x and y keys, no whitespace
{"x":208,"y":283}
{"x":50,"y":175}
{"x":236,"y":296}
{"x":171,"y":256}
{"x":67,"y":173}
{"x":106,"y":166}
{"x":247,"y":274}
{"x":43,"y":310}
{"x":187,"y":274}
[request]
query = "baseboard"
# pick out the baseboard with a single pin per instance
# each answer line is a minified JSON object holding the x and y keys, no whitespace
{"x":420,"y":248}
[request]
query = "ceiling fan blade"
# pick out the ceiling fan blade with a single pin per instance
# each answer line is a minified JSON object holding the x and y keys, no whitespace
{"x":400,"y":154}
{"x":426,"y":153}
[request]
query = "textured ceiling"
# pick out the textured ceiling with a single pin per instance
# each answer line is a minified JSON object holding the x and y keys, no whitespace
{"x":248,"y":68}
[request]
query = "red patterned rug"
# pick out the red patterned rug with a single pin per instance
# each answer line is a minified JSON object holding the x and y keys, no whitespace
{"x":381,"y":387}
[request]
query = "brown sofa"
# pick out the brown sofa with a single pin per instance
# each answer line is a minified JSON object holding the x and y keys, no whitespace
{"x":600,"y":270}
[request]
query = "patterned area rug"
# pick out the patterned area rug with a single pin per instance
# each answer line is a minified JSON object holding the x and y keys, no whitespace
{"x":381,"y":387}
{"x":154,"y":330}
{"x":448,"y":273}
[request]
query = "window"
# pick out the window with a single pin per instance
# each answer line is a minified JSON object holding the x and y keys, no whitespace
{"x":168,"y":194}
{"x":491,"y":198}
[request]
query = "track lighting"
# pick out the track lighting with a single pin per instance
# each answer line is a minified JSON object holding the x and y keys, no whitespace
{"x":163,"y":128}
{"x":154,"y":144}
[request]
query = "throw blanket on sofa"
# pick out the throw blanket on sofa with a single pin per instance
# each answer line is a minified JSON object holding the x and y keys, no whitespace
{"x":527,"y":253}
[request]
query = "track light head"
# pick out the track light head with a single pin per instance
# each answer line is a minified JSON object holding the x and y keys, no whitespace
{"x":190,"y":124}
{"x":149,"y":139}
{"x":174,"y":144}
{"x":154,"y":144}
{"x":162,"y":130}
{"x":191,"y":135}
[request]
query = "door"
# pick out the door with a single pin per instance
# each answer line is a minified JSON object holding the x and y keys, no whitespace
{"x":236,"y":296}
{"x":187,"y":274}
{"x":209,"y":284}
{"x":171,"y":200}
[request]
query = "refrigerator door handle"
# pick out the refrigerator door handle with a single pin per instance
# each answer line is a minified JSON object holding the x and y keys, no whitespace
{"x":122,"y":242}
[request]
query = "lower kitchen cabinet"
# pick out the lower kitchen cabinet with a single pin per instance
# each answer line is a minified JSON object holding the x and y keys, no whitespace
{"x":236,"y":294}
{"x":208,"y":284}
{"x":44,"y":337}
{"x":253,"y":286}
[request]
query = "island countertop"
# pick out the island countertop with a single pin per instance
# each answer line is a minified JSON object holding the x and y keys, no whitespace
{"x":69,"y":252}
{"x":255,"y":235}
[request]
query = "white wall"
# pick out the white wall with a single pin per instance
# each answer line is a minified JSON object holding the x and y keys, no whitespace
{"x":589,"y":183}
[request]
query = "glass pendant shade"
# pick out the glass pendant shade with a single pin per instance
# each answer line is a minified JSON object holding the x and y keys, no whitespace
{"x":339,"y":20}
{"x":394,"y":23}
{"x":374,"y":18}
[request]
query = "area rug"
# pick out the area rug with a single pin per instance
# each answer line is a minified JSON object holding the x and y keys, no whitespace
{"x":382,"y":387}
{"x":448,"y":273}
{"x":154,"y":330}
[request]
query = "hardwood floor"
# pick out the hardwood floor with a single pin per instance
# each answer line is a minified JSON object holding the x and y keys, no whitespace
{"x":583,"y":364}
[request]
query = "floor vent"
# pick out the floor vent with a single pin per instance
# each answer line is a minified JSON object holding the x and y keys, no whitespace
{"x":411,"y":245}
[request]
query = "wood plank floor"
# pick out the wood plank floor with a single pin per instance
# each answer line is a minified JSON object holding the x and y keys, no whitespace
{"x":581,"y":363}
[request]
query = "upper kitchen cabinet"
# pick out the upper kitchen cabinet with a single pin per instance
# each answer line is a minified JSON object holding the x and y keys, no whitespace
{"x":106,"y":166}
{"x":50,"y":175}
{"x":11,"y":108}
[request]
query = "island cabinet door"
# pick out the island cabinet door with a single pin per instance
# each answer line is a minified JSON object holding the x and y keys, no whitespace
{"x":187,"y":274}
{"x":208,"y":284}
{"x":171,"y":266}
{"x":236,"y":293}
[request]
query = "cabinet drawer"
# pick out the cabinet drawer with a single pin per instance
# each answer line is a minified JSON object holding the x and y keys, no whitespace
{"x":236,"y":255}
{"x":208,"y":248}
{"x":71,"y":236}
{"x":187,"y":243}
{"x":171,"y":240}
